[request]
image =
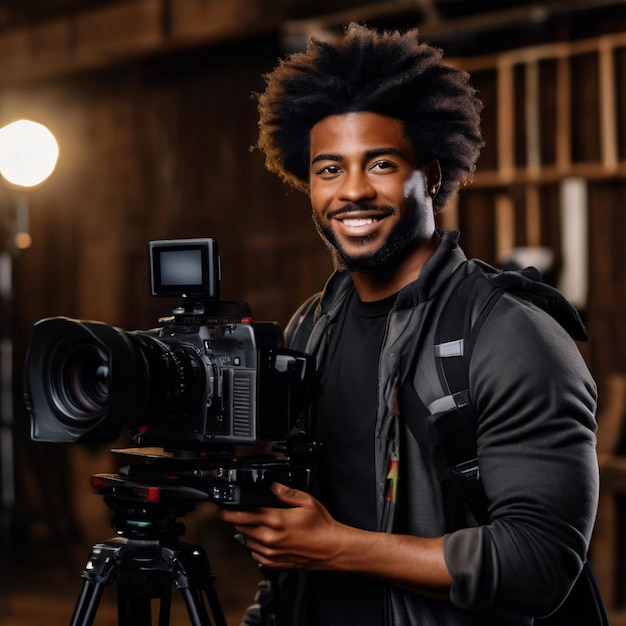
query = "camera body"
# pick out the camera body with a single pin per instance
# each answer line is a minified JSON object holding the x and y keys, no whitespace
{"x":208,"y":375}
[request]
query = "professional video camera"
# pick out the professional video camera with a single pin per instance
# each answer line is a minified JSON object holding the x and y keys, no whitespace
{"x":188,"y":392}
{"x":191,"y":393}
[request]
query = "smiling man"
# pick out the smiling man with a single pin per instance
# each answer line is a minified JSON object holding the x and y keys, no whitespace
{"x":380,"y":133}
{"x":371,"y":204}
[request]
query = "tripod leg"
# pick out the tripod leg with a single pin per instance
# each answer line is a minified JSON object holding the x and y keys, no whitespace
{"x":87,"y":604}
{"x":214,"y":603}
{"x":99,"y":571}
{"x":194,"y":578}
{"x":198,"y":615}
{"x":132,"y":609}
{"x":165,"y":609}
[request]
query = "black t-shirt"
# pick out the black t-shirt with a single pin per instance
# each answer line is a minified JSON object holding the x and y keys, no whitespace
{"x":345,"y":426}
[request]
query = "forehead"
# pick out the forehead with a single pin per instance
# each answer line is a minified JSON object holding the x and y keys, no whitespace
{"x":358,"y":132}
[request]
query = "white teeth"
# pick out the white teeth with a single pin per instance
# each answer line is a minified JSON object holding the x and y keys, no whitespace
{"x":358,"y":222}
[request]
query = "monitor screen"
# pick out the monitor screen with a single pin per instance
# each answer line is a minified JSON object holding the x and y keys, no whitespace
{"x":184,"y":268}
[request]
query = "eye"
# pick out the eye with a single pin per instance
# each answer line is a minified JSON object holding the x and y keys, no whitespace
{"x":382,"y":165}
{"x":329,"y":170}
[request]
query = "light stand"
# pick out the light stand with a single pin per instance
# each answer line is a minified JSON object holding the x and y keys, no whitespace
{"x":28,"y":155}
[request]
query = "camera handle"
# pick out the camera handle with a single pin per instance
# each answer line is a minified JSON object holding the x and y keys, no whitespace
{"x":145,"y":564}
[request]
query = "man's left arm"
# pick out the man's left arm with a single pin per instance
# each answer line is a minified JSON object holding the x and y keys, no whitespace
{"x":535,"y":401}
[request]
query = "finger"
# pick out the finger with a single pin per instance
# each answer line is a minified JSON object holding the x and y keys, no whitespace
{"x":279,"y":562}
{"x":290,"y":496}
{"x":238,"y":516}
{"x":271,"y":558}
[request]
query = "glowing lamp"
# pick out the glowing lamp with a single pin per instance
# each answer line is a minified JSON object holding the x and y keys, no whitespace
{"x":28,"y":153}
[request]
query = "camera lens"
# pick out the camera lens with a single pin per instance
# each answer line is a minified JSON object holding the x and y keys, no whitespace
{"x":79,"y":380}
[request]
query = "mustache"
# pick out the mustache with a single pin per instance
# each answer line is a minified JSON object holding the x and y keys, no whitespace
{"x":360,"y":208}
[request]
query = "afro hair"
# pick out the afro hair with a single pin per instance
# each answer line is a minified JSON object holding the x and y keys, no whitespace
{"x":390,"y":73}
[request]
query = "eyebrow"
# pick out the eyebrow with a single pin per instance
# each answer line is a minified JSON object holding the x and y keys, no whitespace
{"x":369,"y":154}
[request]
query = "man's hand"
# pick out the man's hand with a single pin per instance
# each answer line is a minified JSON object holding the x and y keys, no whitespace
{"x":302,"y":536}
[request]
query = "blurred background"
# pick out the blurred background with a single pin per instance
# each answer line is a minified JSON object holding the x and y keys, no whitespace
{"x":150,"y":105}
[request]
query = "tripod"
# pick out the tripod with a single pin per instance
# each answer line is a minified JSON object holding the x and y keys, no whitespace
{"x":144,"y":561}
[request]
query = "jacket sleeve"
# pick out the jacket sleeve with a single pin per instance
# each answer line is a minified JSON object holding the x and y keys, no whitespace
{"x":536,"y":403}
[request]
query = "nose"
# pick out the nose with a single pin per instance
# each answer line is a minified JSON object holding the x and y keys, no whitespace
{"x":356,"y":186}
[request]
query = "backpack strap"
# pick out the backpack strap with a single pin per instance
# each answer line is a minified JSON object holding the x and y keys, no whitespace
{"x":453,"y":421}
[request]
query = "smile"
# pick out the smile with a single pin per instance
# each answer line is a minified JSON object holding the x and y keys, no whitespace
{"x":353,"y":222}
{"x":359,"y":225}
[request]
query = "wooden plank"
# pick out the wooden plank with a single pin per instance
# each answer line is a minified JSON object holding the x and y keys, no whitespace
{"x":101,"y":36}
{"x":15,"y":50}
{"x":505,"y":226}
{"x":613,"y":472}
{"x":607,"y":99}
{"x":449,"y":217}
{"x":544,"y":51}
{"x":119,"y":30}
{"x":81,"y":41}
{"x":547,"y":174}
{"x":50,"y":40}
{"x":506,"y":136}
{"x":563,"y":115}
{"x":611,"y":418}
{"x":533,"y":216}
{"x":531,"y":111}
{"x":215,"y":20}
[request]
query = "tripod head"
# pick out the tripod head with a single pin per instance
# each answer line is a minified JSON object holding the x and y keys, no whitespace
{"x":178,"y":481}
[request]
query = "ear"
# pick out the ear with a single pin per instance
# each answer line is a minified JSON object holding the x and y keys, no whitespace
{"x":432,"y":174}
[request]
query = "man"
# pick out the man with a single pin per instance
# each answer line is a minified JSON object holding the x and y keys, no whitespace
{"x":380,"y":133}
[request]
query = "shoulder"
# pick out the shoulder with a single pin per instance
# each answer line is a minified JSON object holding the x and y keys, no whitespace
{"x":517,"y":327}
{"x":301,"y":323}
{"x":308,"y":313}
{"x":516,"y":321}
{"x":523,"y":355}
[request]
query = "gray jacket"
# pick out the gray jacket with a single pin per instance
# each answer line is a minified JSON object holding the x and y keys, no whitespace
{"x":535,"y":401}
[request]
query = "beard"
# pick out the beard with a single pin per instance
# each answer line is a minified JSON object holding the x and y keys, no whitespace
{"x":402,"y":240}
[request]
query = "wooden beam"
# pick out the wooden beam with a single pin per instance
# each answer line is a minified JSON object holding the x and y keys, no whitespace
{"x":563,"y":114}
{"x":103,"y":36}
{"x":505,"y":226}
{"x":449,"y":217}
{"x":506,"y":135}
{"x":544,"y":51}
{"x":81,"y":41}
{"x":547,"y":174}
{"x":533,"y":215}
{"x":531,"y":111}
{"x":434,"y":26}
{"x":200,"y":21}
{"x":608,"y":106}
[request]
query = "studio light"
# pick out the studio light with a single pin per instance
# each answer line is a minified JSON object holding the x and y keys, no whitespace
{"x":28,"y":153}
